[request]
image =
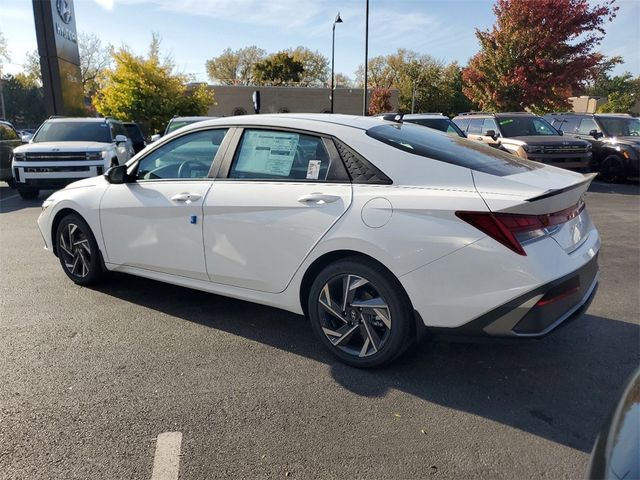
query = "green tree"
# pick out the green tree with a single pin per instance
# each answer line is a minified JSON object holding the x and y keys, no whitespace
{"x":537,"y":54}
{"x":343,"y":81}
{"x":24,"y":101}
{"x":4,"y":51}
{"x":278,"y":69}
{"x":235,"y":67}
{"x":31,"y":67}
{"x":148,"y":90}
{"x":315,"y":66}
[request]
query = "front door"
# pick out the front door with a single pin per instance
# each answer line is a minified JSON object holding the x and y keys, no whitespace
{"x":155,"y":223}
{"x":282,"y":193}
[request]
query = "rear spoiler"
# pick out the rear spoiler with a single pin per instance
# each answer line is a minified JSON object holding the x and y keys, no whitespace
{"x":554,"y":200}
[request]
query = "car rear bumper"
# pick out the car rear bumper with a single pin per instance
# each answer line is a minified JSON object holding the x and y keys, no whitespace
{"x":537,"y":313}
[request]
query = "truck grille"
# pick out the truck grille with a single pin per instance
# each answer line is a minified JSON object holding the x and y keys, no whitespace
{"x":565,"y":149}
{"x":61,"y":156}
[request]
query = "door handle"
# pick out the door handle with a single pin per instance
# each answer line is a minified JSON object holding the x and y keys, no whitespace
{"x":186,"y":197}
{"x":318,"y":199}
{"x":479,"y":138}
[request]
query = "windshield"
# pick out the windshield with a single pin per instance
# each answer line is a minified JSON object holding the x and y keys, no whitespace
{"x":73,"y":132}
{"x":620,"y":126}
{"x":524,"y":126}
{"x":426,"y":142}
{"x":442,"y":124}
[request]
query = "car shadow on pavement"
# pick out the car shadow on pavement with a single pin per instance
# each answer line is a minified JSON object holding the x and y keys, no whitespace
{"x":10,"y":200}
{"x":561,"y":387}
{"x":630,"y":187}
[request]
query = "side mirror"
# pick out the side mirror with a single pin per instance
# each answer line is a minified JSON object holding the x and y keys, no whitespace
{"x":155,"y":138}
{"x":117,"y":174}
{"x":595,"y":133}
{"x":121,"y":139}
{"x":491,"y":133}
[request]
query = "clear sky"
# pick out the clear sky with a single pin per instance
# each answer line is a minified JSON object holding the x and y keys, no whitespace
{"x":193,"y":31}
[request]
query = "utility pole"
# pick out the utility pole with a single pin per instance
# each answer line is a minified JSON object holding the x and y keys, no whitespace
{"x":365,"y":106}
{"x":333,"y":48}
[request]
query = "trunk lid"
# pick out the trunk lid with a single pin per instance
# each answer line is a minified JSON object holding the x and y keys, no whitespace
{"x":542,"y":192}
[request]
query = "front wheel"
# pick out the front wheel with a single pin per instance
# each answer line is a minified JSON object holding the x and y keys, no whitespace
{"x":361,"y":313}
{"x":78,"y":251}
{"x":612,"y":169}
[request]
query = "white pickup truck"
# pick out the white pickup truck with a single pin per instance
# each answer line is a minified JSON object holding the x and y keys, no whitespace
{"x":64,"y":150}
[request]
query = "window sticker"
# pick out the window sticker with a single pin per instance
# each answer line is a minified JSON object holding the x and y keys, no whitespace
{"x":267,"y":152}
{"x":313,"y":169}
{"x":506,"y":122}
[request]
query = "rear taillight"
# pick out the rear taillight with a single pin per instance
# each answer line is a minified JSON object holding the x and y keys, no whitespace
{"x":513,"y":229}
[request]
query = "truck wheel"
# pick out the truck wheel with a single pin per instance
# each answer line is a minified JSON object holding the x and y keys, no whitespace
{"x":612,"y":169}
{"x":28,"y":193}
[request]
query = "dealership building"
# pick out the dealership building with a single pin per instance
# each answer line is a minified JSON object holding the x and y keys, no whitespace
{"x":237,"y":100}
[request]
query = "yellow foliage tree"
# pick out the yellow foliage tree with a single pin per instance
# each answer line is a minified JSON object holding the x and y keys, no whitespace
{"x":148,"y":91}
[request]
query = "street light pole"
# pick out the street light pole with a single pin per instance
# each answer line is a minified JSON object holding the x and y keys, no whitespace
{"x":333,"y":48}
{"x":366,"y":60}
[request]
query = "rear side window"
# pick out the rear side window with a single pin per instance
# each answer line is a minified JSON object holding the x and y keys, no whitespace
{"x":454,"y":150}
{"x":279,"y":155}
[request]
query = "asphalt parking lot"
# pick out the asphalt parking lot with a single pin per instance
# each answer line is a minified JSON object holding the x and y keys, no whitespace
{"x":90,"y":377}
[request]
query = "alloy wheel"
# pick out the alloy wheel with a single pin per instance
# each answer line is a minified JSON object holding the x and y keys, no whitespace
{"x":75,"y":250}
{"x":354,"y":316}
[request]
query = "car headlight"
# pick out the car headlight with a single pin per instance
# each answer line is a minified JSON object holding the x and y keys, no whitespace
{"x":105,"y":154}
{"x":19,"y":157}
{"x":94,"y":156}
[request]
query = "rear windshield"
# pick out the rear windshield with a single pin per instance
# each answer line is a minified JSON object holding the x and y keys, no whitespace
{"x":73,"y":132}
{"x":442,"y":124}
{"x":455,"y":150}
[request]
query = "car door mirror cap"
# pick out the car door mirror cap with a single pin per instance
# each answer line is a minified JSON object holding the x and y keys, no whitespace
{"x":121,"y":139}
{"x":492,"y":134}
{"x":117,"y":175}
{"x":595,"y":133}
{"x":155,"y":138}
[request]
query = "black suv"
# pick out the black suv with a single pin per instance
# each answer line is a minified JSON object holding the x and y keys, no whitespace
{"x":528,"y":136}
{"x":615,"y":139}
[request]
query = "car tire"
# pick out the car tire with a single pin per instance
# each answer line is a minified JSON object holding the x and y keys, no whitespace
{"x":28,"y":193}
{"x":612,"y":169}
{"x":78,"y":251}
{"x":374,"y":325}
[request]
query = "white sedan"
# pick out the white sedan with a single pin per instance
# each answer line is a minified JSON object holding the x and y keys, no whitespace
{"x":377,"y":231}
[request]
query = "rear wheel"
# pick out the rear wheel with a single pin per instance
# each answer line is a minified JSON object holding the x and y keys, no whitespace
{"x":361,"y":313}
{"x":612,"y":169}
{"x":28,"y":193}
{"x":78,"y":251}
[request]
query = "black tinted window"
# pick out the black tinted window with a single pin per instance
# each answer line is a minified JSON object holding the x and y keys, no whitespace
{"x":523,"y":126}
{"x":73,"y":132}
{"x":442,"y":124}
{"x":455,"y":150}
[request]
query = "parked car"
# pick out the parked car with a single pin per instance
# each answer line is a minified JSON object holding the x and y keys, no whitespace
{"x":615,"y":139}
{"x":9,"y":139}
{"x":436,"y":121}
{"x":616,"y":453}
{"x":179,"y":122}
{"x":375,"y":230}
{"x":65,"y":149}
{"x":134,"y":132}
{"x":528,"y":136}
{"x":26,"y":134}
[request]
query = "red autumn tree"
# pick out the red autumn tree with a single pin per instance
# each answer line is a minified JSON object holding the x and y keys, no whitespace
{"x":380,"y":101}
{"x":537,"y":53}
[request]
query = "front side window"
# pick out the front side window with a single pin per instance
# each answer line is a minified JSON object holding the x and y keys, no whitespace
{"x":279,"y":155}
{"x":620,"y":126}
{"x":586,"y":125}
{"x":489,"y":124}
{"x":475,"y":126}
{"x":454,"y":150}
{"x":462,"y":123}
{"x":567,"y":124}
{"x":524,"y":126}
{"x":188,"y":156}
{"x":60,"y":131}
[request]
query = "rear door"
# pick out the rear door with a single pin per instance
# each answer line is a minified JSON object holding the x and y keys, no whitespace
{"x":278,"y":193}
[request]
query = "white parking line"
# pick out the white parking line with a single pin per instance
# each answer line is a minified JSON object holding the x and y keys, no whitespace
{"x":9,"y":197}
{"x":166,"y":463}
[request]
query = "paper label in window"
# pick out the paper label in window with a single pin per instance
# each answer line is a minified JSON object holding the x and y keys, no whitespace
{"x":313,"y":170}
{"x":267,"y":152}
